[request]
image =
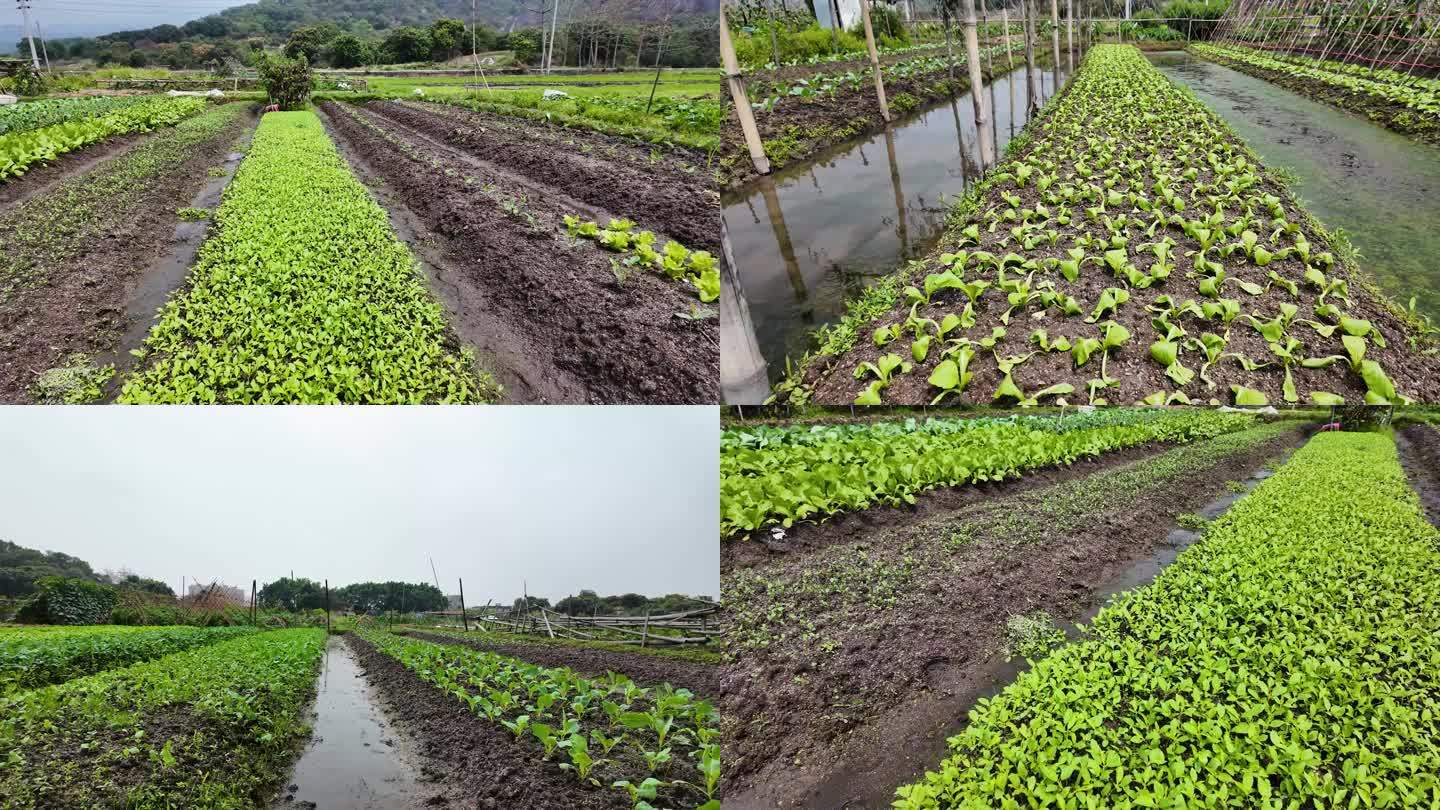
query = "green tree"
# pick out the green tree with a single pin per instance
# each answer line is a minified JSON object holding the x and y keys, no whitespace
{"x":347,"y":51}
{"x":407,"y":44}
{"x":446,"y":38}
{"x":135,"y":582}
{"x":292,"y":594}
{"x":138,"y":59}
{"x":379,"y":597}
{"x":525,"y":44}
{"x":311,"y":41}
{"x":20,"y":567}
{"x":288,"y":81}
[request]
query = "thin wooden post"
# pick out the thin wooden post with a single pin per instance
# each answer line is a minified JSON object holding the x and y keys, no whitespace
{"x":327,"y":607}
{"x":977,"y":86}
{"x":1055,"y":41}
{"x":545,"y":614}
{"x":774,"y":41}
{"x":252,"y":603}
{"x":1032,"y":91}
{"x":645,"y":635}
{"x":463,"y":622}
{"x":1005,"y":21}
{"x":1070,"y":33}
{"x":875,"y":60}
{"x":741,"y":100}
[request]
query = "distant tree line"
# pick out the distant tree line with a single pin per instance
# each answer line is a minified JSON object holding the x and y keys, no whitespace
{"x":21,"y":568}
{"x":588,"y":603}
{"x":299,"y":593}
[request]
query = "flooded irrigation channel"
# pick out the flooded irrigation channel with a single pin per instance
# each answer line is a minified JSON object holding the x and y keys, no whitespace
{"x":1381,"y":188}
{"x":354,"y":759}
{"x":811,"y":236}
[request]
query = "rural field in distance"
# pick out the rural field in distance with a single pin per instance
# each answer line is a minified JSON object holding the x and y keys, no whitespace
{"x":372,"y":623}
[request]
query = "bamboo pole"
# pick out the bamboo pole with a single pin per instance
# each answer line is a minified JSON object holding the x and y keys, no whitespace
{"x":740,"y":99}
{"x":1070,"y":33}
{"x":1055,"y":40}
{"x":327,"y":607}
{"x":774,"y":41}
{"x":1032,"y":91}
{"x":977,"y":87}
{"x":874,"y":60}
{"x":1005,"y":21}
{"x":464,"y":623}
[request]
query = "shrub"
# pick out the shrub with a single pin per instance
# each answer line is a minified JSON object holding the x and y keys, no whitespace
{"x":288,"y":81}
{"x":58,"y":600}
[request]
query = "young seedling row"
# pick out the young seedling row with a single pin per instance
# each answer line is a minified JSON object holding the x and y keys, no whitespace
{"x":1248,"y":612}
{"x":570,"y":265}
{"x":1133,"y":250}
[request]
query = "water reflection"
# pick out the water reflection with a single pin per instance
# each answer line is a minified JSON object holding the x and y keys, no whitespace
{"x":1382,"y":188}
{"x":812,"y":236}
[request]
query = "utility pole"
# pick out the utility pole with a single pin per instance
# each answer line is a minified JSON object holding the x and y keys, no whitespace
{"x":554,"y":22}
{"x":34,"y":56}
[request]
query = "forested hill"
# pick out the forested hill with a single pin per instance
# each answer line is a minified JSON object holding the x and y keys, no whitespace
{"x":277,"y":19}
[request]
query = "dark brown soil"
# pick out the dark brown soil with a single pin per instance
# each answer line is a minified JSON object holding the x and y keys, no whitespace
{"x":832,"y":379}
{"x":474,"y":763}
{"x":646,"y":670}
{"x":658,"y":195}
{"x":44,"y":177}
{"x":817,"y":123}
{"x":850,"y":527}
{"x":76,"y":302}
{"x":810,"y":725}
{"x":546,"y":314}
{"x":1397,"y":117}
{"x":1419,"y":448}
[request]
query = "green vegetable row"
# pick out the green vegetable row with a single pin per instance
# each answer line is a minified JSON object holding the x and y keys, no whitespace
{"x":653,"y":743}
{"x":783,"y":484}
{"x":1135,"y":228}
{"x":209,"y":727}
{"x":697,"y":268}
{"x":29,"y":659}
{"x":1420,"y":95}
{"x":50,"y":111}
{"x":1289,"y":659}
{"x":20,"y":150}
{"x":1075,"y":419}
{"x":303,"y":294}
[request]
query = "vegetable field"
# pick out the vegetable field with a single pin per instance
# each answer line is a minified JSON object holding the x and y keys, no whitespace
{"x":1132,"y":250}
{"x":456,"y":247}
{"x":1246,"y":611}
{"x":217,"y":717}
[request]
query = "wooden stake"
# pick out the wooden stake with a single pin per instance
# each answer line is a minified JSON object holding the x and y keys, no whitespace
{"x":327,"y":607}
{"x":875,"y":60}
{"x":740,"y":99}
{"x":1070,"y":33}
{"x":645,"y":635}
{"x":463,"y":621}
{"x":252,"y":603}
{"x":1005,"y":21}
{"x":977,"y":86}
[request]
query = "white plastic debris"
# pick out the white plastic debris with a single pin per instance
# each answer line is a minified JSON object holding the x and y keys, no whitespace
{"x":777,"y":534}
{"x":419,"y":91}
{"x":551,"y":95}
{"x":213,"y":93}
{"x":343,"y":85}
{"x":6,"y":98}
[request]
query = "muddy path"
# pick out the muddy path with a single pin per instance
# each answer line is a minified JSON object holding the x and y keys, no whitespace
{"x":1419,"y":448}
{"x":646,"y":670}
{"x":471,"y":762}
{"x":544,"y":312}
{"x":74,"y":258}
{"x":658,"y":194}
{"x":850,"y":527}
{"x":354,"y":758}
{"x":886,"y":642}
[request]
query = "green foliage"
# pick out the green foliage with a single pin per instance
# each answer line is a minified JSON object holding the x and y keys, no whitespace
{"x":287,"y":81}
{"x":407,"y":44}
{"x":1419,"y":95}
{"x":1031,"y":636}
{"x":1204,"y":15}
{"x":1287,"y":659}
{"x":303,"y":294}
{"x":76,"y":382}
{"x":21,"y":149}
{"x":770,"y":477}
{"x":380,"y":597}
{"x":20,"y":567}
{"x":698,"y":268}
{"x":667,"y":728}
{"x":50,"y":111}
{"x":44,"y":656}
{"x":58,"y":600}
{"x":805,"y":44}
{"x":213,"y":726}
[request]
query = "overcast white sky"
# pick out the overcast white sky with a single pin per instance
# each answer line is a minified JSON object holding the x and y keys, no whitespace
{"x":105,"y":16}
{"x":614,"y":499}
